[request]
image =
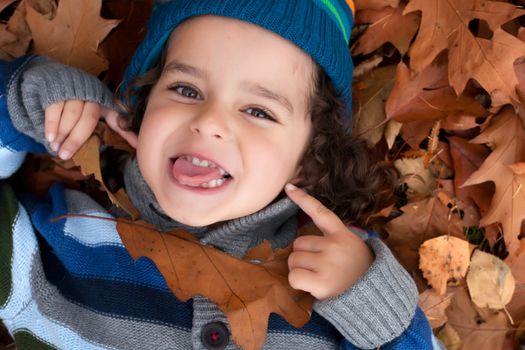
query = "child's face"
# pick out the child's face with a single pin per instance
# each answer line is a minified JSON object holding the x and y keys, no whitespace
{"x":221,"y":82}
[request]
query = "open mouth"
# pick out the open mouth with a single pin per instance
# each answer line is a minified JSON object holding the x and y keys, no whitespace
{"x":194,"y":172}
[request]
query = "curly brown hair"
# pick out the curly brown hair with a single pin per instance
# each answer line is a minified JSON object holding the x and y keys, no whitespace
{"x":338,"y":169}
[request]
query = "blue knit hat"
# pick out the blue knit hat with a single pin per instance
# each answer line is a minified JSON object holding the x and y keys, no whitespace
{"x":322,"y":28}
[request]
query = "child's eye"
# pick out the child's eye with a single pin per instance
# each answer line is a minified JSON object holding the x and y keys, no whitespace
{"x":259,"y":113}
{"x":186,"y":91}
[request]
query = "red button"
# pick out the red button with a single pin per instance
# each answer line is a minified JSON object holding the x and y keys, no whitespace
{"x":215,"y":336}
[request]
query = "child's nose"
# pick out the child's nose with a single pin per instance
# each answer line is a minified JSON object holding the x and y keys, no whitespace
{"x":211,"y":122}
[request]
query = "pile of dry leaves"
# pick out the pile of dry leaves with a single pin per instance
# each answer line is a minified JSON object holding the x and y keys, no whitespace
{"x":439,"y":89}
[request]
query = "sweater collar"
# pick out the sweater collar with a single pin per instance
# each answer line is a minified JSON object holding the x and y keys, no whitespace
{"x":276,"y":223}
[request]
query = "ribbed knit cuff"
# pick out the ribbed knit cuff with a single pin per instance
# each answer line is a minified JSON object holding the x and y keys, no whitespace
{"x":378,"y":307}
{"x":44,"y":82}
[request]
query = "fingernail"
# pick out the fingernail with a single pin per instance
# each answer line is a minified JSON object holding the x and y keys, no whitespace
{"x":290,"y":187}
{"x":54,"y":146}
{"x":50,"y":137}
{"x":64,"y":154}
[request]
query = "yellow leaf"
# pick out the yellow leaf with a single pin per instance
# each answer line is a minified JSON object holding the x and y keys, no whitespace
{"x":490,"y":281}
{"x":449,"y":337}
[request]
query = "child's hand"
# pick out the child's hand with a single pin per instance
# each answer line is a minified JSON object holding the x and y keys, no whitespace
{"x":325,"y":266}
{"x":68,"y":124}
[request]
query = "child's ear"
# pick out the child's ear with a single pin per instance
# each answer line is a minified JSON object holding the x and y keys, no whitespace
{"x":113,"y":119}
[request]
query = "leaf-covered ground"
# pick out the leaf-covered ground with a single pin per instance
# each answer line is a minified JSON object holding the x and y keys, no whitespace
{"x":439,"y":89}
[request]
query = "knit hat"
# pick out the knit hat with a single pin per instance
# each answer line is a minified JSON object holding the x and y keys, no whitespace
{"x":321,"y":28}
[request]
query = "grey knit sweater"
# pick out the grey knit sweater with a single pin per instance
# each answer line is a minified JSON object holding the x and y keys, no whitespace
{"x":375,"y":310}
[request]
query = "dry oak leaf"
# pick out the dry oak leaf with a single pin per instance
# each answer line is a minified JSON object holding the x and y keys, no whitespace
{"x":120,"y":44}
{"x":374,"y":4}
{"x":420,"y":181}
{"x":434,"y":305}
{"x":419,"y":222}
{"x":445,"y":25}
{"x":370,"y":94}
{"x":15,"y":36}
{"x":442,"y":259}
{"x":417,"y":131}
{"x":506,"y":137}
{"x":427,"y":96}
{"x":5,"y":3}
{"x":467,"y":158}
{"x":516,"y":307}
{"x":490,"y":281}
{"x":247,"y":293}
{"x":73,"y":36}
{"x":386,"y":25}
{"x":449,"y":337}
{"x":478,"y":328}
{"x":88,"y":159}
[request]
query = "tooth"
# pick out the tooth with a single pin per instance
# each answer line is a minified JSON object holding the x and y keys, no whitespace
{"x":204,"y":163}
{"x":195,"y":161}
{"x":205,"y":184}
{"x":212,"y":165}
{"x":220,"y":182}
{"x":213,"y":183}
{"x":222,"y":171}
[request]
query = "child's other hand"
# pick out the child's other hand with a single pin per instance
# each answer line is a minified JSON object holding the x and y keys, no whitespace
{"x":68,"y":124}
{"x":325,"y":266}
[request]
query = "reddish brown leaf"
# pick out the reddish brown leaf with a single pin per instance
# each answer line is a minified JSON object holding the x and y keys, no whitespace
{"x":467,"y":158}
{"x":73,"y":36}
{"x":122,"y":42}
{"x":419,"y":222}
{"x":516,"y":307}
{"x":478,"y":328}
{"x":434,"y":306}
{"x":415,"y":132}
{"x":444,"y":25}
{"x":245,"y":292}
{"x":506,"y":137}
{"x":5,"y":3}
{"x":459,"y":122}
{"x":368,"y":107}
{"x":374,"y":4}
{"x":386,"y":25}
{"x":427,"y":96}
{"x":15,"y":36}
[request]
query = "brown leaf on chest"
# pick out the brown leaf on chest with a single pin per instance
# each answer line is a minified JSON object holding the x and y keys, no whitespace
{"x":246,"y":290}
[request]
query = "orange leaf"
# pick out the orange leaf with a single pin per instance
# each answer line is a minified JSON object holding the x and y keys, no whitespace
{"x":73,"y":36}
{"x":442,"y":259}
{"x":247,"y":293}
{"x":444,"y":25}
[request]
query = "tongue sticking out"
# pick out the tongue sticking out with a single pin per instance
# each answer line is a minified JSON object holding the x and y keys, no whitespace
{"x":188,"y":174}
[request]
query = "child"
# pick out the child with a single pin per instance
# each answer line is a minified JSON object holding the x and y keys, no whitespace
{"x":231,"y":100}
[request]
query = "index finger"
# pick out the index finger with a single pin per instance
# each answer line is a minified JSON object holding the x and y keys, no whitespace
{"x":323,"y":218}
